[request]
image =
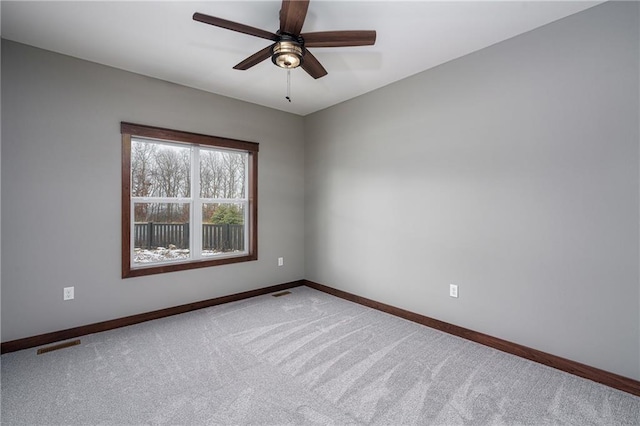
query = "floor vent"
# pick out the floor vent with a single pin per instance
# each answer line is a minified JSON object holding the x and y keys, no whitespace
{"x":282,"y":293}
{"x":58,"y":346}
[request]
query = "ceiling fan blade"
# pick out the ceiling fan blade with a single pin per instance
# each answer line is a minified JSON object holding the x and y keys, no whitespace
{"x":312,"y":66}
{"x":339,"y":38}
{"x":292,"y":16}
{"x":254,"y":59}
{"x":234,"y":26}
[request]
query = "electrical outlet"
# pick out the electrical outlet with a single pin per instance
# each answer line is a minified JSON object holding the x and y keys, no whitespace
{"x":281,"y":261}
{"x":453,"y":290}
{"x":67,"y":293}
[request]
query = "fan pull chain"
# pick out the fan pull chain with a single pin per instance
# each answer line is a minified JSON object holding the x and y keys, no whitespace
{"x":288,"y":85}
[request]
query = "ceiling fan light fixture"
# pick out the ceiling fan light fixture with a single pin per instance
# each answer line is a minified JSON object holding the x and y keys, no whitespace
{"x":287,"y":54}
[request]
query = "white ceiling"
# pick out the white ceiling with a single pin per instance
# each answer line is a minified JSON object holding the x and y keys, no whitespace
{"x":160,"y":39}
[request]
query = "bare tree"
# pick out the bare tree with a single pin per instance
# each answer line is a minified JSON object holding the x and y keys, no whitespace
{"x":221,"y":176}
{"x":142,"y":182}
{"x":159,"y":170}
{"x":172,"y":179}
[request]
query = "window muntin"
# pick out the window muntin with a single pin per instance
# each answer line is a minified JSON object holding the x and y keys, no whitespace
{"x":165,"y":228}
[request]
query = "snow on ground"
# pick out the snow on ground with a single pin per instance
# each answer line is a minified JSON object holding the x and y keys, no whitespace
{"x":162,"y":254}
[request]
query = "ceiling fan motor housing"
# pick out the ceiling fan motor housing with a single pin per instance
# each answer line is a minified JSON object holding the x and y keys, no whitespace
{"x":288,"y":51}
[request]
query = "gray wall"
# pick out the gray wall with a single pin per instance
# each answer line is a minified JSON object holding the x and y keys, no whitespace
{"x":512,"y":172}
{"x":61,"y":191}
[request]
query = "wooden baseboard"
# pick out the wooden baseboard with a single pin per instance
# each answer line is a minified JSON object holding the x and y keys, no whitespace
{"x":72,"y":333}
{"x":604,"y":377}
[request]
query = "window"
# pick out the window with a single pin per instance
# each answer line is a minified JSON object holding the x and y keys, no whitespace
{"x":188,"y":200}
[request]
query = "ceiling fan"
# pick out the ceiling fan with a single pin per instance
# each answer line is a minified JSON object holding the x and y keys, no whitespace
{"x":289,"y":49}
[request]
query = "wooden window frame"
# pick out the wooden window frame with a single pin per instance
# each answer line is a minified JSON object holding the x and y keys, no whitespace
{"x":129,"y":130}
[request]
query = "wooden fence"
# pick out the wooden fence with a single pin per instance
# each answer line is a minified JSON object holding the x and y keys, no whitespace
{"x":223,"y":237}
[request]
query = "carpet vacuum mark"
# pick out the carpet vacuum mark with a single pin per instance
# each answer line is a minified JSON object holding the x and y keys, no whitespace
{"x":307,"y":358}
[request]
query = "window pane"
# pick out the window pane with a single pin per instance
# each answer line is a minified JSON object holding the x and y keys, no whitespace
{"x":160,"y":170}
{"x":222,"y":228}
{"x":160,"y":232}
{"x":222,"y":173}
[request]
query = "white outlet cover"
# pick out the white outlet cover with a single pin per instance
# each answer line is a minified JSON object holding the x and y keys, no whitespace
{"x":67,"y":293}
{"x":453,"y":290}
{"x":280,"y":261}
